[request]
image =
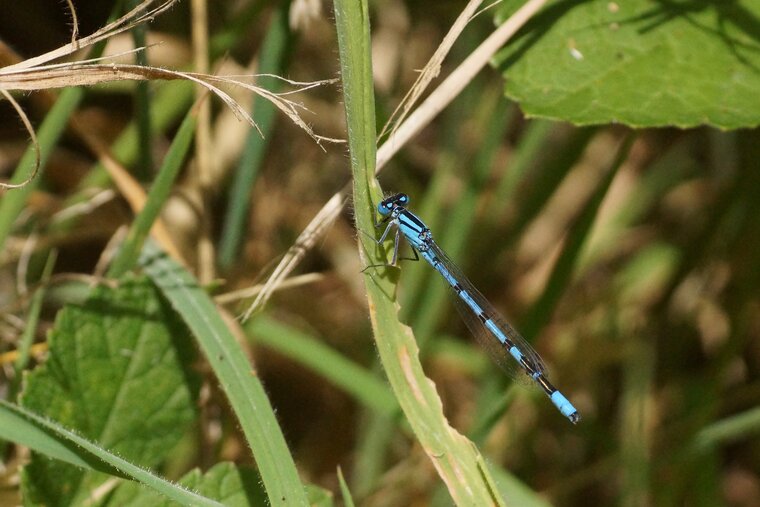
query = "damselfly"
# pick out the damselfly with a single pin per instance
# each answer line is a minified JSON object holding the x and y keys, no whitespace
{"x":504,"y":344}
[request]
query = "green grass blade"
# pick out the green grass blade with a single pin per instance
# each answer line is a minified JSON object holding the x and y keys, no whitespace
{"x":338,"y":370}
{"x":375,"y":435}
{"x":352,"y":25}
{"x":348,"y":500}
{"x":457,"y":461}
{"x":577,"y":238}
{"x":541,"y":183}
{"x":636,"y":411}
{"x":533,"y":141}
{"x":731,"y":429}
{"x":142,"y":107}
{"x":170,"y":101}
{"x":16,"y":427}
{"x":235,"y":374}
{"x":232,"y":485}
{"x":50,"y":438}
{"x":129,"y":252}
{"x":274,"y":52}
{"x":672,"y":168}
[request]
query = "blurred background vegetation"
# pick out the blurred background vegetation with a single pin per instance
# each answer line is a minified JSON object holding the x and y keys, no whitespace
{"x":629,"y":258}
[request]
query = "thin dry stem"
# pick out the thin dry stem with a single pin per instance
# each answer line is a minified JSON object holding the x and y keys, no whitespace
{"x":109,"y":252}
{"x":456,"y":82}
{"x":305,"y":241}
{"x":249,"y":292}
{"x":87,"y":207}
{"x":74,"y":23}
{"x":203,"y":171}
{"x":484,"y":9}
{"x":432,"y":68}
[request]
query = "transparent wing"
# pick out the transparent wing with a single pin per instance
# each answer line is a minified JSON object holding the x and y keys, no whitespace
{"x":485,"y":337}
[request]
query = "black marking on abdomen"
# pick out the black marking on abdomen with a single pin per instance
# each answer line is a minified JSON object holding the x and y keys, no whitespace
{"x":545,"y":385}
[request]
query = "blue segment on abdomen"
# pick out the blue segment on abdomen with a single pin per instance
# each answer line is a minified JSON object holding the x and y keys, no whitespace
{"x":498,"y":333}
{"x":516,"y":353}
{"x":470,"y":302}
{"x":563,"y":404}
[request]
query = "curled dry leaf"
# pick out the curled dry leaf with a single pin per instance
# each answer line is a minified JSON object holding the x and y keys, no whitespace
{"x":91,"y":73}
{"x":30,"y":129}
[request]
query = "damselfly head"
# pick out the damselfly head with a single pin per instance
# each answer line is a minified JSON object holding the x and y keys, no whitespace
{"x":388,"y":204}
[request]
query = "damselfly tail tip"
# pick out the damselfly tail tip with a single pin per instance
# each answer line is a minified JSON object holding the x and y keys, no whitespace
{"x":575,"y":417}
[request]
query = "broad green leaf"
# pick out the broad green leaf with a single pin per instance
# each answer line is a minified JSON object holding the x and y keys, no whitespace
{"x":643,"y":63}
{"x":231,"y":485}
{"x":114,"y":375}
